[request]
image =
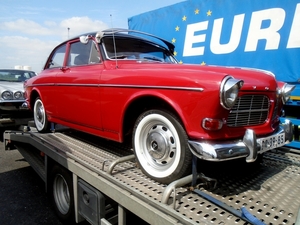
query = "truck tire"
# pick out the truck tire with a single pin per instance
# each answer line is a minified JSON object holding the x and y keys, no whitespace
{"x":62,"y":195}
{"x":160,"y":145}
{"x":40,"y":116}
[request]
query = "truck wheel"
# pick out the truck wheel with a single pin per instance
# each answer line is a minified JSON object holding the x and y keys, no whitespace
{"x":62,"y":194}
{"x":161,"y":146}
{"x":40,"y":117}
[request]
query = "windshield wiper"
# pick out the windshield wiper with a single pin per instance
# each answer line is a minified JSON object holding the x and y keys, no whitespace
{"x":153,"y":59}
{"x":118,"y":57}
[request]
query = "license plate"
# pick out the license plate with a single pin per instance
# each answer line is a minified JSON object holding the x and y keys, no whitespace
{"x":271,"y":142}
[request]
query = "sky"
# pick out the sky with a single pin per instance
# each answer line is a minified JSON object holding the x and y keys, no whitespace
{"x":30,"y":29}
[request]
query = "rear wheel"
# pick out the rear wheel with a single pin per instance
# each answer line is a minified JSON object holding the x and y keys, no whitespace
{"x":62,"y":194}
{"x":161,"y":146}
{"x":40,"y":117}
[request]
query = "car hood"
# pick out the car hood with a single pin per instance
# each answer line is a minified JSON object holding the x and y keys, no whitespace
{"x":197,"y":75}
{"x":254,"y":79}
{"x":12,"y":86}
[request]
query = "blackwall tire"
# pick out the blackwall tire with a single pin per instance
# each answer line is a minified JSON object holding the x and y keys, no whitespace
{"x":161,"y":146}
{"x":62,"y":195}
{"x":40,"y":116}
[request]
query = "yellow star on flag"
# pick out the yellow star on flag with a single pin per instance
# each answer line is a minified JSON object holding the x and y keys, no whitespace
{"x":173,"y":40}
{"x":175,"y":53}
{"x":209,"y":13}
{"x":180,"y":62}
{"x":184,"y":18}
{"x":177,"y":28}
{"x":197,"y":11}
{"x":203,"y":63}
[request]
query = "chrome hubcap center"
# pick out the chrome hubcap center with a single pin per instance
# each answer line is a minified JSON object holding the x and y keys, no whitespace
{"x":158,"y":144}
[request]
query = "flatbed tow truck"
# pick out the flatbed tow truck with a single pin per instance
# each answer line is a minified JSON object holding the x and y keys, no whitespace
{"x":99,"y":181}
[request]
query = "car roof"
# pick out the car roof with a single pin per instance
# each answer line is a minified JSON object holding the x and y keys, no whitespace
{"x":119,"y":32}
{"x":23,"y":70}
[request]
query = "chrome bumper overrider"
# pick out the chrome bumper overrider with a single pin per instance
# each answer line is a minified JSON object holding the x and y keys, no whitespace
{"x":24,"y":105}
{"x":249,"y":147}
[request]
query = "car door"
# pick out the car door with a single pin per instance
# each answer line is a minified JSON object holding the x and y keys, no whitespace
{"x":78,"y":86}
{"x":46,"y":82}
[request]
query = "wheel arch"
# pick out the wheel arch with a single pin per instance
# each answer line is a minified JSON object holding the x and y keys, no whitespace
{"x":51,"y":163}
{"x":33,"y":95}
{"x":144,"y":103}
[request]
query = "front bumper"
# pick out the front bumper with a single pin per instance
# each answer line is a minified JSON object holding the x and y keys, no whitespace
{"x":248,"y":148}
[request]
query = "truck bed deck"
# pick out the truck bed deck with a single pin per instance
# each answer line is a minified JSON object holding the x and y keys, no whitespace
{"x":270,"y":191}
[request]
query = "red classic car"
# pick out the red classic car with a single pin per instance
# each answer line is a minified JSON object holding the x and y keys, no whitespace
{"x":117,"y":84}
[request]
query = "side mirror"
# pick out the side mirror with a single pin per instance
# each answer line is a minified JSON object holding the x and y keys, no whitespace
{"x":84,"y":39}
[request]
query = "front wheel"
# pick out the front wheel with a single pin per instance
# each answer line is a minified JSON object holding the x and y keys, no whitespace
{"x":161,"y":146}
{"x":40,"y":116}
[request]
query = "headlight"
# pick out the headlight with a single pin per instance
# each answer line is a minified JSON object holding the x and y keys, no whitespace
{"x":286,"y":92}
{"x":18,"y":95}
{"x":229,"y":91}
{"x":7,"y":95}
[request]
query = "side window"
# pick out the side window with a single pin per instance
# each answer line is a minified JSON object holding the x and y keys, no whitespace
{"x":23,"y":76}
{"x":28,"y":75}
{"x":57,"y":59}
{"x":94,"y":56}
{"x":83,"y":54}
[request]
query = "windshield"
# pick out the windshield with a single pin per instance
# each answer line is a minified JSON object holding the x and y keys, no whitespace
{"x":136,"y":49}
{"x":15,"y":75}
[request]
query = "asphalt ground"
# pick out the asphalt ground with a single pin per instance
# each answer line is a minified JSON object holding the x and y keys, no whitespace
{"x":23,"y":199}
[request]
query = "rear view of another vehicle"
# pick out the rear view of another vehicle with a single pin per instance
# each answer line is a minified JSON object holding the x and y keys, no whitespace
{"x":13,"y":110}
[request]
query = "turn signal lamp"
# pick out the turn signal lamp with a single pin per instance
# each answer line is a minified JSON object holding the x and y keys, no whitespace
{"x":212,"y":124}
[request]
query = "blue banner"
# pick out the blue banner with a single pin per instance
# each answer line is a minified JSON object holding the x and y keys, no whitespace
{"x":247,"y":33}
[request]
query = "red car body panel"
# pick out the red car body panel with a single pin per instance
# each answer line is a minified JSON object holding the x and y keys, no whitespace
{"x":97,"y":101}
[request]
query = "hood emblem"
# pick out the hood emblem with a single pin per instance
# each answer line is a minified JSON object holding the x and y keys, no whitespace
{"x":267,"y":88}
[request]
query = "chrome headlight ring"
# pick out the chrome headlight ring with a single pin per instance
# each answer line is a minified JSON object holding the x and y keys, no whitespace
{"x":286,"y":91}
{"x":18,"y":95}
{"x":229,"y":91}
{"x":7,"y":95}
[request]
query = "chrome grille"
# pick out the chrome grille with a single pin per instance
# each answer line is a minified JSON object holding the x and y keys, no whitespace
{"x":249,"y":110}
